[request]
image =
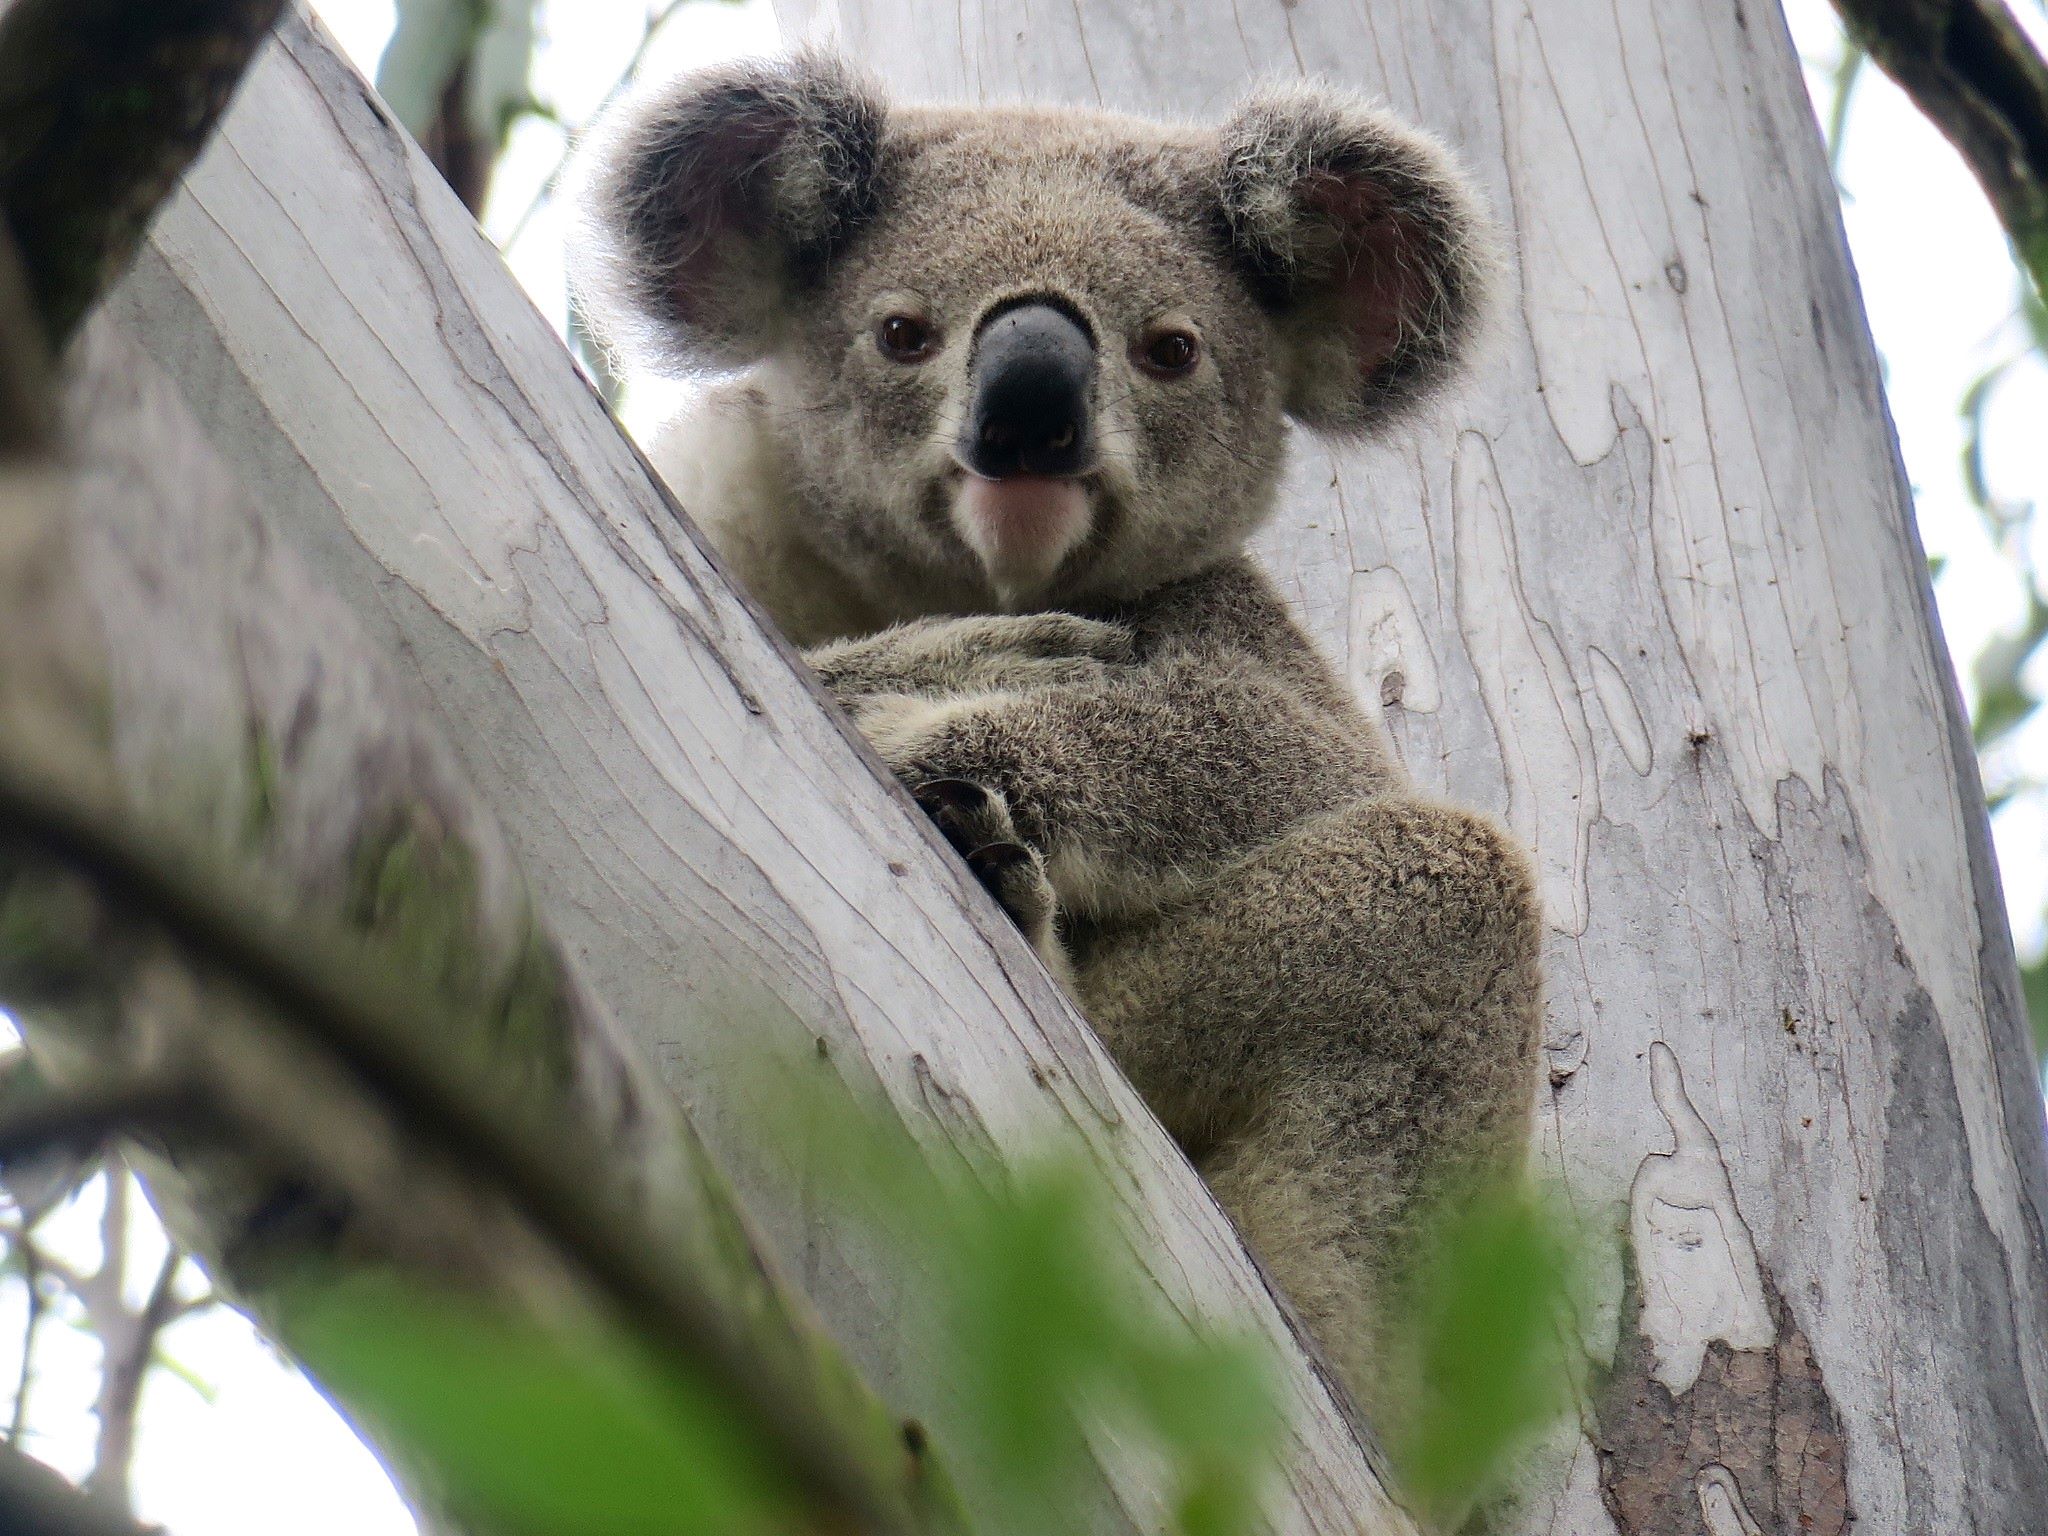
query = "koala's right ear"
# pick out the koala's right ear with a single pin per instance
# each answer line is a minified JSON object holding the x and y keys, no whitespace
{"x":707,"y":204}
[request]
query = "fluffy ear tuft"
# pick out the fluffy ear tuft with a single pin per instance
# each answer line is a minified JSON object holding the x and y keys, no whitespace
{"x":706,"y":204}
{"x":1364,"y":238}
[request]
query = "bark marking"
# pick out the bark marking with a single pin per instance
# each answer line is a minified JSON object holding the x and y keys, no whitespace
{"x":1698,"y":1266}
{"x":1721,"y":1505}
{"x":1714,"y":1419}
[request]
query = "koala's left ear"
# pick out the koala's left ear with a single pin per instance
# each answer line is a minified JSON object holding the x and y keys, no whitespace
{"x":707,"y":204}
{"x":1367,"y":243}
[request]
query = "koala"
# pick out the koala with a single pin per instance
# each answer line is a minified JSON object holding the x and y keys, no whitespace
{"x":1008,"y":390}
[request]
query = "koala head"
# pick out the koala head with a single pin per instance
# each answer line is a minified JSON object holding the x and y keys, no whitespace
{"x":1031,"y":356}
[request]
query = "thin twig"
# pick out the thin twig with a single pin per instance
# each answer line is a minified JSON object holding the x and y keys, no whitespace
{"x":22,"y":1240}
{"x":550,"y":187}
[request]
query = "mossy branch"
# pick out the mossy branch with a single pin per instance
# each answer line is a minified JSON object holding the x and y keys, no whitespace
{"x":103,"y":104}
{"x":1971,"y":68}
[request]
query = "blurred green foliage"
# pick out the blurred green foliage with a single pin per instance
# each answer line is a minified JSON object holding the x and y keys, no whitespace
{"x":1492,"y":1344}
{"x":557,"y":1434}
{"x":1028,"y":1302}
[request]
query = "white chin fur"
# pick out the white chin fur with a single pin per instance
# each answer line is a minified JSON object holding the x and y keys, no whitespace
{"x":1021,"y":528}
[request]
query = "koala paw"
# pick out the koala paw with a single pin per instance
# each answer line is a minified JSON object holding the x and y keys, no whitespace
{"x":977,"y":823}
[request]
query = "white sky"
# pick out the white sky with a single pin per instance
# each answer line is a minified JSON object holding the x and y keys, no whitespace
{"x":265,"y":1454}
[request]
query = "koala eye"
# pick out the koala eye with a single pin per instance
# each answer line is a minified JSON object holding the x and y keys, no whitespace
{"x":1169,"y":353}
{"x":904,"y":339}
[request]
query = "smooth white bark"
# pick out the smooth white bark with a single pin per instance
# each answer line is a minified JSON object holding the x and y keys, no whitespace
{"x":171,"y":673}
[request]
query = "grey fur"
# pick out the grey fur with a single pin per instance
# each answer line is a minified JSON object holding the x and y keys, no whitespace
{"x":1324,"y":982}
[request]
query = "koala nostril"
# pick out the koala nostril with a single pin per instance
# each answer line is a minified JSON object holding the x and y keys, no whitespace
{"x":1062,"y":439}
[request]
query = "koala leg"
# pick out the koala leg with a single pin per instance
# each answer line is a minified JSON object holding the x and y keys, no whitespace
{"x":1341,"y":1030}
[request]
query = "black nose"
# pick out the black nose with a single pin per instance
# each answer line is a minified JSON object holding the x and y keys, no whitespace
{"x":1032,"y":371}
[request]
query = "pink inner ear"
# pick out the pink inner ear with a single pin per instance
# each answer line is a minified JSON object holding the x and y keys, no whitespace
{"x":1383,"y":291}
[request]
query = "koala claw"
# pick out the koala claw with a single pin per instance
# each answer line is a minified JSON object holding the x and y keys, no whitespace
{"x":952,"y":802}
{"x":974,"y":819}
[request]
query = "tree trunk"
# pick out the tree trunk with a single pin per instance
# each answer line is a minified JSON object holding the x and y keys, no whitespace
{"x":169,"y":663}
{"x":724,"y":861}
{"x":1651,"y":590}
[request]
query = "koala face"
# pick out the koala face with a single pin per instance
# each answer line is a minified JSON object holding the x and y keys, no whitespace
{"x":1032,"y":357}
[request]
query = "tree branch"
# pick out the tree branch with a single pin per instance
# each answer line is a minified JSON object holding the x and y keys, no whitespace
{"x":654,"y":756}
{"x":341,"y":1000}
{"x":1971,"y":68}
{"x":129,"y":1351}
{"x":38,"y":1502}
{"x":22,"y":1241}
{"x":83,"y":1120}
{"x":103,"y":104}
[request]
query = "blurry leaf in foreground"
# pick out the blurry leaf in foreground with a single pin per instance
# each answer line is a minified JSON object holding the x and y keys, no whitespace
{"x":1039,"y":1312}
{"x":559,"y":1434}
{"x":1490,"y":1351}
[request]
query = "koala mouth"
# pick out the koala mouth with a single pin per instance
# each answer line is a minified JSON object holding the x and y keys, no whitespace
{"x":1021,"y":527}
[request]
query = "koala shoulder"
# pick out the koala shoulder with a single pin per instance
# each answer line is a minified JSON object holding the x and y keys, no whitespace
{"x":729,"y":469}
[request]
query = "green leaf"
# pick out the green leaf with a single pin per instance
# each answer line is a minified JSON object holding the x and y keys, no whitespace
{"x":558,"y":1434}
{"x":1489,"y":1343}
{"x":1999,"y":672}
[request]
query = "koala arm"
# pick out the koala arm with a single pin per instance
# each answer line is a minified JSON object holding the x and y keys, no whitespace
{"x":1140,"y":781}
{"x":950,"y":657}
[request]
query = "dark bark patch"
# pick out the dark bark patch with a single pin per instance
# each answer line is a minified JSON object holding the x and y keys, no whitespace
{"x":1753,"y":1447}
